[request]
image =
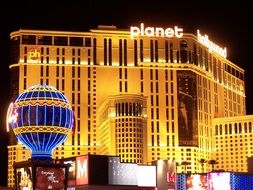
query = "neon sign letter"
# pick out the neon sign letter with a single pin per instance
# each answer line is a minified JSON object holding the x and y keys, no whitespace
{"x":210,"y":45}
{"x":158,"y":32}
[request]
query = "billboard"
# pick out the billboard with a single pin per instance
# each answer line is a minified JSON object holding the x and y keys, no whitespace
{"x":121,"y":173}
{"x":50,"y":178}
{"x":166,"y":174}
{"x":72,"y":171}
{"x":24,"y":178}
{"x":82,"y":176}
{"x":187,"y":108}
{"x":218,"y":181}
{"x":196,"y":182}
{"x":146,"y":176}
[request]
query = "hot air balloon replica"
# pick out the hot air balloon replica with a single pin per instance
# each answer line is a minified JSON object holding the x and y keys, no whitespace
{"x":41,"y":118}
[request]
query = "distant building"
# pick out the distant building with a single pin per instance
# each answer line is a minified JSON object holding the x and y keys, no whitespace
{"x":143,"y":94}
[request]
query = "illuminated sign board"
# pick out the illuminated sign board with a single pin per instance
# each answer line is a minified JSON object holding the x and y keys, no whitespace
{"x":122,"y":173}
{"x":82,"y":170}
{"x":196,"y":181}
{"x":156,"y":31}
{"x":33,"y":54}
{"x":203,"y":39}
{"x":50,"y":178}
{"x":217,"y":181}
{"x":166,"y":174}
{"x":146,"y":176}
{"x":24,"y":178}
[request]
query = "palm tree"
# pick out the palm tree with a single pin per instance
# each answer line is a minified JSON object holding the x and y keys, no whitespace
{"x":212,"y":163}
{"x":202,"y":161}
{"x":185,"y":163}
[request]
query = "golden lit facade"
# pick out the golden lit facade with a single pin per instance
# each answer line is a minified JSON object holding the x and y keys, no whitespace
{"x":123,"y":123}
{"x":178,"y":83}
{"x":234,"y":142}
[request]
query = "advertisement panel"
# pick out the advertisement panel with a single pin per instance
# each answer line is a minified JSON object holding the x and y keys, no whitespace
{"x":218,"y":181}
{"x":72,"y":171}
{"x":187,"y":108}
{"x":166,"y":174}
{"x":24,"y":178}
{"x":196,"y":182}
{"x":146,"y":176}
{"x":82,"y":176}
{"x":121,"y":173}
{"x":50,"y":178}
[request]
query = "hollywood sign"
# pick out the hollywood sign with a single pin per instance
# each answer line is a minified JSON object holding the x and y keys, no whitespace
{"x":212,"y":47}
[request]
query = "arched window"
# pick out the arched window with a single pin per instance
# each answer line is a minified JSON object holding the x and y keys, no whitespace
{"x":130,"y":109}
{"x":220,"y":129}
{"x":230,"y":128}
{"x":216,"y":129}
{"x":116,"y":106}
{"x":126,"y":106}
{"x":236,"y":131}
{"x":122,"y":109}
{"x":134,"y":109}
{"x":245,"y":128}
{"x":226,"y":129}
{"x":240,"y":128}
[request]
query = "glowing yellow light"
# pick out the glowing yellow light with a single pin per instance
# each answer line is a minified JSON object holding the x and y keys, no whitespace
{"x":44,"y":129}
{"x":33,"y":54}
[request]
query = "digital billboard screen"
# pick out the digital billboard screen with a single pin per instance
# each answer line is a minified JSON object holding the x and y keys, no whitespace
{"x":24,"y":178}
{"x":50,"y":178}
{"x":146,"y":176}
{"x":218,"y":181}
{"x":196,"y":182}
{"x":121,"y":173}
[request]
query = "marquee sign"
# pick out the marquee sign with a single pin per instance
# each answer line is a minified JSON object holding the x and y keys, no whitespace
{"x":156,"y":31}
{"x":82,"y":170}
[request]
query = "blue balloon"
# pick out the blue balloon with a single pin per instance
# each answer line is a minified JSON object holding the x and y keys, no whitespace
{"x":41,"y":118}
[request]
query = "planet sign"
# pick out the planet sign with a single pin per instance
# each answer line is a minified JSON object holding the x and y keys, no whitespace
{"x":41,"y":118}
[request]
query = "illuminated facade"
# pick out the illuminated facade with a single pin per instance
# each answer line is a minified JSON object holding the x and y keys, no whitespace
{"x":233,"y":139}
{"x":148,"y":95}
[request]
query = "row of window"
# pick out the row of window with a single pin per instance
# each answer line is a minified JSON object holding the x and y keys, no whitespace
{"x":233,"y":129}
{"x":56,"y":40}
{"x":183,"y":54}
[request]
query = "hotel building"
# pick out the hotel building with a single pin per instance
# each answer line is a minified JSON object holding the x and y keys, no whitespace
{"x":138,"y":95}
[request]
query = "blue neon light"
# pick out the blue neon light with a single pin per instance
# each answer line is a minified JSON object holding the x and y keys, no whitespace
{"x":42,"y":106}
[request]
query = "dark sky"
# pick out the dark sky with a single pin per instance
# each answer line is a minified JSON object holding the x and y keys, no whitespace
{"x":227,"y":23}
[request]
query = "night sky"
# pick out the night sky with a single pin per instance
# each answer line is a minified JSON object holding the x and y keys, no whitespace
{"x":227,"y":24}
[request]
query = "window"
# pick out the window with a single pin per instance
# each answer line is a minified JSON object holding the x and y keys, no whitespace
{"x":28,"y":39}
{"x":60,"y":41}
{"x":151,"y":51}
{"x":76,"y":41}
{"x":135,"y":53}
{"x":88,"y":42}
{"x":44,"y":40}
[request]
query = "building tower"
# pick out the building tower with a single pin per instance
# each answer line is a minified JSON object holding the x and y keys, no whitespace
{"x":175,"y":82}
